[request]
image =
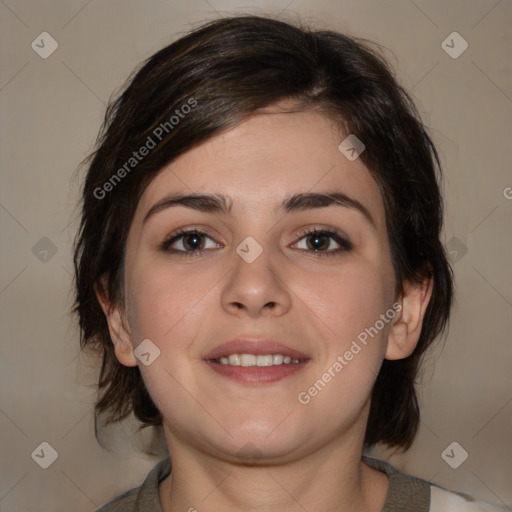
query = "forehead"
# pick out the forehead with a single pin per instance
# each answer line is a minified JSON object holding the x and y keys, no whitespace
{"x":268,"y":157}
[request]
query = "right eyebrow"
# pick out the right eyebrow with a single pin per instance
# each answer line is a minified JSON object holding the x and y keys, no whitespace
{"x":208,"y":203}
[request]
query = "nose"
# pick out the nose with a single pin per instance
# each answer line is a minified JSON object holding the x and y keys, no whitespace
{"x":255,"y":289}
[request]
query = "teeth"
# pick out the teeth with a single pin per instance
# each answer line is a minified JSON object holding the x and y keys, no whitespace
{"x":247,"y":360}
{"x":234,"y":360}
{"x":265,"y":360}
{"x":257,"y":360}
{"x":277,"y":359}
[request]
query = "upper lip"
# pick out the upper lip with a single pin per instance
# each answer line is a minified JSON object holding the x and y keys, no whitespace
{"x":253,"y":346}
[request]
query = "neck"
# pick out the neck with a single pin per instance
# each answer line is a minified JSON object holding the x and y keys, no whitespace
{"x":329,"y":478}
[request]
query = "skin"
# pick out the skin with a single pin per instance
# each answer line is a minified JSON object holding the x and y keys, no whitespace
{"x":305,"y":457}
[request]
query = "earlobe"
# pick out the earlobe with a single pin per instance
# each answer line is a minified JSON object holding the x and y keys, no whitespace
{"x":406,"y":329}
{"x":117,"y":325}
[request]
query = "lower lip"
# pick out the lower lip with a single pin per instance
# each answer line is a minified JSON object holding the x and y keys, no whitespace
{"x":257,"y":374}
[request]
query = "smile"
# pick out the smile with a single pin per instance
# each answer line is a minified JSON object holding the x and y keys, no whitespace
{"x":256,"y":360}
{"x":256,"y":370}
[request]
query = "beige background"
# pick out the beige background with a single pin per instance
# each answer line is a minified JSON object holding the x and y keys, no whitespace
{"x":51,"y":110}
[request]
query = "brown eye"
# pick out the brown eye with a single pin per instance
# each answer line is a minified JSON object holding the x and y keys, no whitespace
{"x":323,"y":242}
{"x":189,"y":241}
{"x":317,"y":242}
{"x":193,"y":241}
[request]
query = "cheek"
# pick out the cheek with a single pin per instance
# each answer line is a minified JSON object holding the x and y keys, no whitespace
{"x":169,"y":307}
{"x":349,"y":306}
{"x":349,"y":300}
{"x":162,"y":299}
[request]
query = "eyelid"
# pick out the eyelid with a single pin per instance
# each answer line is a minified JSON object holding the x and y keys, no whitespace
{"x":317,"y":228}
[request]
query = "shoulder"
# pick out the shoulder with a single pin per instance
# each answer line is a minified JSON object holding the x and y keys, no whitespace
{"x":407,"y":492}
{"x":442,"y":500}
{"x":144,"y":498}
{"x":124,"y":503}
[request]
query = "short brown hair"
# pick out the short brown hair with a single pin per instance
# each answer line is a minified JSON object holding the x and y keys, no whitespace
{"x":230,"y":68}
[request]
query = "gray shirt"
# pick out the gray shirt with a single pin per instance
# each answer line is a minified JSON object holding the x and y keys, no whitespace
{"x":406,"y":493}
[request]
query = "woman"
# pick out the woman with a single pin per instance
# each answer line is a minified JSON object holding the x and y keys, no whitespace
{"x":260,"y":263}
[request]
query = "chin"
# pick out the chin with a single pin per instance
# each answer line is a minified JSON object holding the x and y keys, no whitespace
{"x":251,"y":451}
{"x":259,"y":442}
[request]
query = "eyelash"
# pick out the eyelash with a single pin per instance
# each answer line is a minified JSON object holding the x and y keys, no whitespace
{"x":345,"y":245}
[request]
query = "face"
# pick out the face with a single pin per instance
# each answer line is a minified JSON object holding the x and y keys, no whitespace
{"x":282,"y":273}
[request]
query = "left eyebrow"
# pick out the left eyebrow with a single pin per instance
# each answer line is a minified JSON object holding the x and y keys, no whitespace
{"x":218,"y":203}
{"x":309,"y":200}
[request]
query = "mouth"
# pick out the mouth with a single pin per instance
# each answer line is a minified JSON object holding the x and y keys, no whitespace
{"x":255,"y":361}
{"x":262,"y":360}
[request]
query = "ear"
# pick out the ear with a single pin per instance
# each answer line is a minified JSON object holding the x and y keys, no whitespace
{"x":117,"y":324}
{"x":406,"y":329}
